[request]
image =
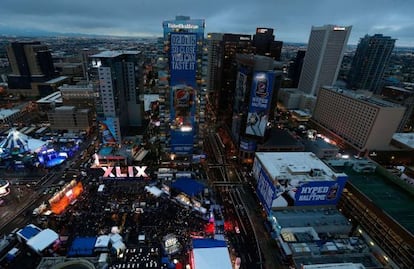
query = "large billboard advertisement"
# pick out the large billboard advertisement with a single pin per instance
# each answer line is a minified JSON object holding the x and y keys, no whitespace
{"x":183,"y":63}
{"x":108,"y":130}
{"x":296,"y":193}
{"x":260,"y":101}
{"x":240,"y":92}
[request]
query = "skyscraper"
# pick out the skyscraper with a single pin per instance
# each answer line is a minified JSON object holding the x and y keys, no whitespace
{"x":265,"y":44}
{"x":323,"y":57}
{"x":183,"y":39}
{"x":31,"y":62}
{"x":370,"y":60}
{"x":118,"y":106}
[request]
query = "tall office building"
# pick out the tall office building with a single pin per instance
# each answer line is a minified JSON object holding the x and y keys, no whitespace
{"x":357,"y":118}
{"x":265,"y":44}
{"x":118,"y":108}
{"x":371,"y":57}
{"x":323,"y":57}
{"x":31,"y":62}
{"x":183,"y":39}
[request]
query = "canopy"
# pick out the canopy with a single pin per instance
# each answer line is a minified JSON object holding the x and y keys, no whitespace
{"x":153,"y":190}
{"x":82,"y":246}
{"x":20,"y":143}
{"x":42,"y":240}
{"x":210,"y":253}
{"x":188,"y":186}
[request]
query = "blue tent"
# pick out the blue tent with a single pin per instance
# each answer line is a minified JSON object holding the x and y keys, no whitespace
{"x":208,"y":243}
{"x":188,"y":186}
{"x":82,"y":246}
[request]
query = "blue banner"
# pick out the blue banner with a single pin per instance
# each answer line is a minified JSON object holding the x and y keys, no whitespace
{"x":265,"y":190}
{"x":260,"y":101}
{"x":320,"y":192}
{"x":183,"y":63}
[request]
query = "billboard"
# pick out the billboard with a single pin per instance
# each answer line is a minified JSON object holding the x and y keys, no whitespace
{"x":107,"y":130}
{"x":296,"y":193}
{"x":183,"y":63}
{"x":248,"y":145}
{"x":259,"y":105}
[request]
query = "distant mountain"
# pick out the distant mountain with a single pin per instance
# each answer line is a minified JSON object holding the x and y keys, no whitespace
{"x":19,"y":32}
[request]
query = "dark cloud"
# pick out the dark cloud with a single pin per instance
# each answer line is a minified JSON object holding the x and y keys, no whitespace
{"x":291,"y":19}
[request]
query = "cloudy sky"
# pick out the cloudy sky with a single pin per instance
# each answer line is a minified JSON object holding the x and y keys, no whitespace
{"x":291,"y":19}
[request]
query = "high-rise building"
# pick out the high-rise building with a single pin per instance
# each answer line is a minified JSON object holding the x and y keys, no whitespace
{"x":370,"y":60}
{"x":183,"y":39}
{"x":118,"y":107}
{"x":357,"y":118}
{"x":31,"y":62}
{"x":295,"y":68}
{"x":323,"y":57}
{"x":265,"y":44}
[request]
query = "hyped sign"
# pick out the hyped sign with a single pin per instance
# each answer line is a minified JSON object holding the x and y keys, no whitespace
{"x":320,"y":192}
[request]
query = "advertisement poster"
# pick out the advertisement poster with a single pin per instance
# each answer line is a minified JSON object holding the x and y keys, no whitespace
{"x":183,"y":62}
{"x":107,"y":130}
{"x":296,"y":193}
{"x":259,"y":106}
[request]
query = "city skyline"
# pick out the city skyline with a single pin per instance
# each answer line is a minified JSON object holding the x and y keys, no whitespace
{"x":292,"y":21}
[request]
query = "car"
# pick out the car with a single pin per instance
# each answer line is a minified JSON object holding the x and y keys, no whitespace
{"x":236,"y":229}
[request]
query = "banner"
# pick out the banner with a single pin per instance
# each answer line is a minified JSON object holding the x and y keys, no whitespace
{"x":183,"y":63}
{"x":260,"y":101}
{"x":107,"y":130}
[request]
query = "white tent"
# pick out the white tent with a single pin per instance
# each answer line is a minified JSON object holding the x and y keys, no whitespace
{"x":207,"y":258}
{"x":153,"y":190}
{"x":16,"y":140}
{"x":102,"y":243}
{"x":42,"y":240}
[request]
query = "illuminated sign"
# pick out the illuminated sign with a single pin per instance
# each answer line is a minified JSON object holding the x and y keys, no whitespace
{"x":336,"y":28}
{"x":262,"y":30}
{"x":130,"y":172}
{"x":182,"y":26}
{"x":244,"y":38}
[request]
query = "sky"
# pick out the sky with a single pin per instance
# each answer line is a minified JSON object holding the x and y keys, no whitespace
{"x":291,"y":19}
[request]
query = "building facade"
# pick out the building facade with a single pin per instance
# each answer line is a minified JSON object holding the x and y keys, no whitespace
{"x":368,"y":65}
{"x":265,"y":43}
{"x":185,"y":99}
{"x":323,"y":57}
{"x":70,"y":118}
{"x":31,"y":62}
{"x":118,"y":108}
{"x":361,"y":120}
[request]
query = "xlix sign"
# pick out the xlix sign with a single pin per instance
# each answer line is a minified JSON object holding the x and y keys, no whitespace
{"x":132,"y":171}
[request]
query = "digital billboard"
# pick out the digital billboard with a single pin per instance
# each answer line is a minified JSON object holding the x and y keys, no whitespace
{"x":183,"y":63}
{"x":260,"y":101}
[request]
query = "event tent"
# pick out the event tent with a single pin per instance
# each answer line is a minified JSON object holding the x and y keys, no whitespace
{"x":210,"y":253}
{"x":17,"y":142}
{"x":188,"y":186}
{"x":42,"y":240}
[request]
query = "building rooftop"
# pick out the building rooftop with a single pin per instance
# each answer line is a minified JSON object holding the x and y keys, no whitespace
{"x":4,"y":113}
{"x":66,"y":87}
{"x":405,"y":138}
{"x":55,"y":97}
{"x":114,"y":53}
{"x":335,"y":266}
{"x":300,"y":166}
{"x":281,"y":139}
{"x":56,"y":80}
{"x":364,"y":96}
{"x":310,"y":217}
{"x":391,"y":198}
